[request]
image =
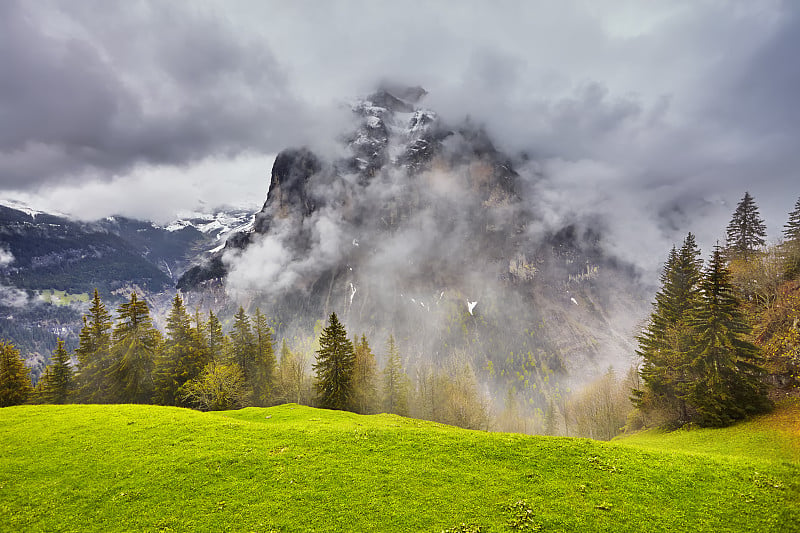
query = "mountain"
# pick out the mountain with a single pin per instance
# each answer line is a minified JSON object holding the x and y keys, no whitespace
{"x":50,"y":264}
{"x":426,"y":229}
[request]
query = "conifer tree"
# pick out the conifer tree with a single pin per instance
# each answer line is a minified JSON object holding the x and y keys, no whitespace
{"x":94,"y":358}
{"x":58,"y":380}
{"x":395,"y":388}
{"x":243,"y":343}
{"x":791,"y":243}
{"x":182,"y":358}
{"x":791,"y":230}
{"x":334,"y":366}
{"x":746,"y":230}
{"x":365,"y":390}
{"x":215,"y":340}
{"x":263,"y":371}
{"x":665,"y":343}
{"x":727,"y":384}
{"x":135,"y":345}
{"x":15,"y":382}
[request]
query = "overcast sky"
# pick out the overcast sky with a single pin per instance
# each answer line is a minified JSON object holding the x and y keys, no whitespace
{"x":659,"y":114}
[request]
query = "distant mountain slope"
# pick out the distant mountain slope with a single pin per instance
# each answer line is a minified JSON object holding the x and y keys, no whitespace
{"x":54,"y":252}
{"x":42,"y":252}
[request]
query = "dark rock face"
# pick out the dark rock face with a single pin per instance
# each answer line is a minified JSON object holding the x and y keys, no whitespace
{"x":288,"y":187}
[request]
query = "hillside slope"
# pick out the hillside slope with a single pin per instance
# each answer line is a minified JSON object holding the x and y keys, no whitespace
{"x":292,"y":468}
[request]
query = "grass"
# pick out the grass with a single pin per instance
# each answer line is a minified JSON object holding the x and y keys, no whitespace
{"x":293,"y":468}
{"x":57,"y":297}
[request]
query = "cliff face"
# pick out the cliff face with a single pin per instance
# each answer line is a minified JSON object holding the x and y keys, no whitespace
{"x":429,"y":230}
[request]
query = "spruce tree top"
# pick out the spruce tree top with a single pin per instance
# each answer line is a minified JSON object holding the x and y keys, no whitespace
{"x":746,"y":230}
{"x":792,"y":228}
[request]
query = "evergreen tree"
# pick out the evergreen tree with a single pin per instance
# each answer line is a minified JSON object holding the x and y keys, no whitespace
{"x":263,"y":371}
{"x":15,"y":383}
{"x":58,"y":380}
{"x":395,"y":388}
{"x":791,"y":244}
{"x":215,"y":340}
{"x":334,"y":366}
{"x":135,"y":345}
{"x":791,"y":230}
{"x":727,"y":384}
{"x":365,"y":390}
{"x":243,"y":345}
{"x":182,"y":358}
{"x":746,"y":230}
{"x":93,"y":353}
{"x":665,"y":343}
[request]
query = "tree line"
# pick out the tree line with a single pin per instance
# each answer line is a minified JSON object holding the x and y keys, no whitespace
{"x":196,"y":364}
{"x":722,"y":333}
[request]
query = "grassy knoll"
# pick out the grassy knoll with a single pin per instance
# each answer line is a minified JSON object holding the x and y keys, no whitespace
{"x":56,"y":297}
{"x":292,"y":468}
{"x":771,"y":438}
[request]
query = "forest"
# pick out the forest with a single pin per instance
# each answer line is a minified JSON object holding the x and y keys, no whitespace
{"x":721,"y":343}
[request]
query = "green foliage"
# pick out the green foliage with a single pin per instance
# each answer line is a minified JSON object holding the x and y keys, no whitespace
{"x":94,"y":354}
{"x":216,"y":342}
{"x":727,"y":383}
{"x":522,"y":517}
{"x":291,"y":376}
{"x":395,"y":381}
{"x":181,"y":358}
{"x":791,"y":245}
{"x":219,"y":387}
{"x":58,"y":380}
{"x":263,"y":366}
{"x":135,"y":345}
{"x":746,"y":230}
{"x":291,"y":468}
{"x":365,"y":376}
{"x":778,"y":334}
{"x":15,"y":385}
{"x":665,"y":343}
{"x":334,"y":366}
{"x":243,"y":343}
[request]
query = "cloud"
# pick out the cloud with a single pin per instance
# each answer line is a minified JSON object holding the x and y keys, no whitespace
{"x":6,"y":258}
{"x":688,"y":104}
{"x":98,"y":90}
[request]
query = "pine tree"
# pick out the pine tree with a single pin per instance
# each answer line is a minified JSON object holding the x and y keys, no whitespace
{"x":263,"y":371}
{"x":727,"y":385}
{"x":665,"y":343}
{"x":746,"y":230}
{"x":791,"y":244}
{"x":334,"y":366}
{"x":217,"y":343}
{"x":791,"y":230}
{"x":395,"y":388}
{"x":243,"y":343}
{"x":58,"y":380}
{"x":94,"y":353}
{"x":182,"y":358}
{"x":365,"y":390}
{"x":135,"y":345}
{"x":15,"y":383}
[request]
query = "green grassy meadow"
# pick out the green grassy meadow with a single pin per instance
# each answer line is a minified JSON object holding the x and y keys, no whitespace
{"x":293,"y":468}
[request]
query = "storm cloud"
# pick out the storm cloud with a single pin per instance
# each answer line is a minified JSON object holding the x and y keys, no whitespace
{"x":663,"y":113}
